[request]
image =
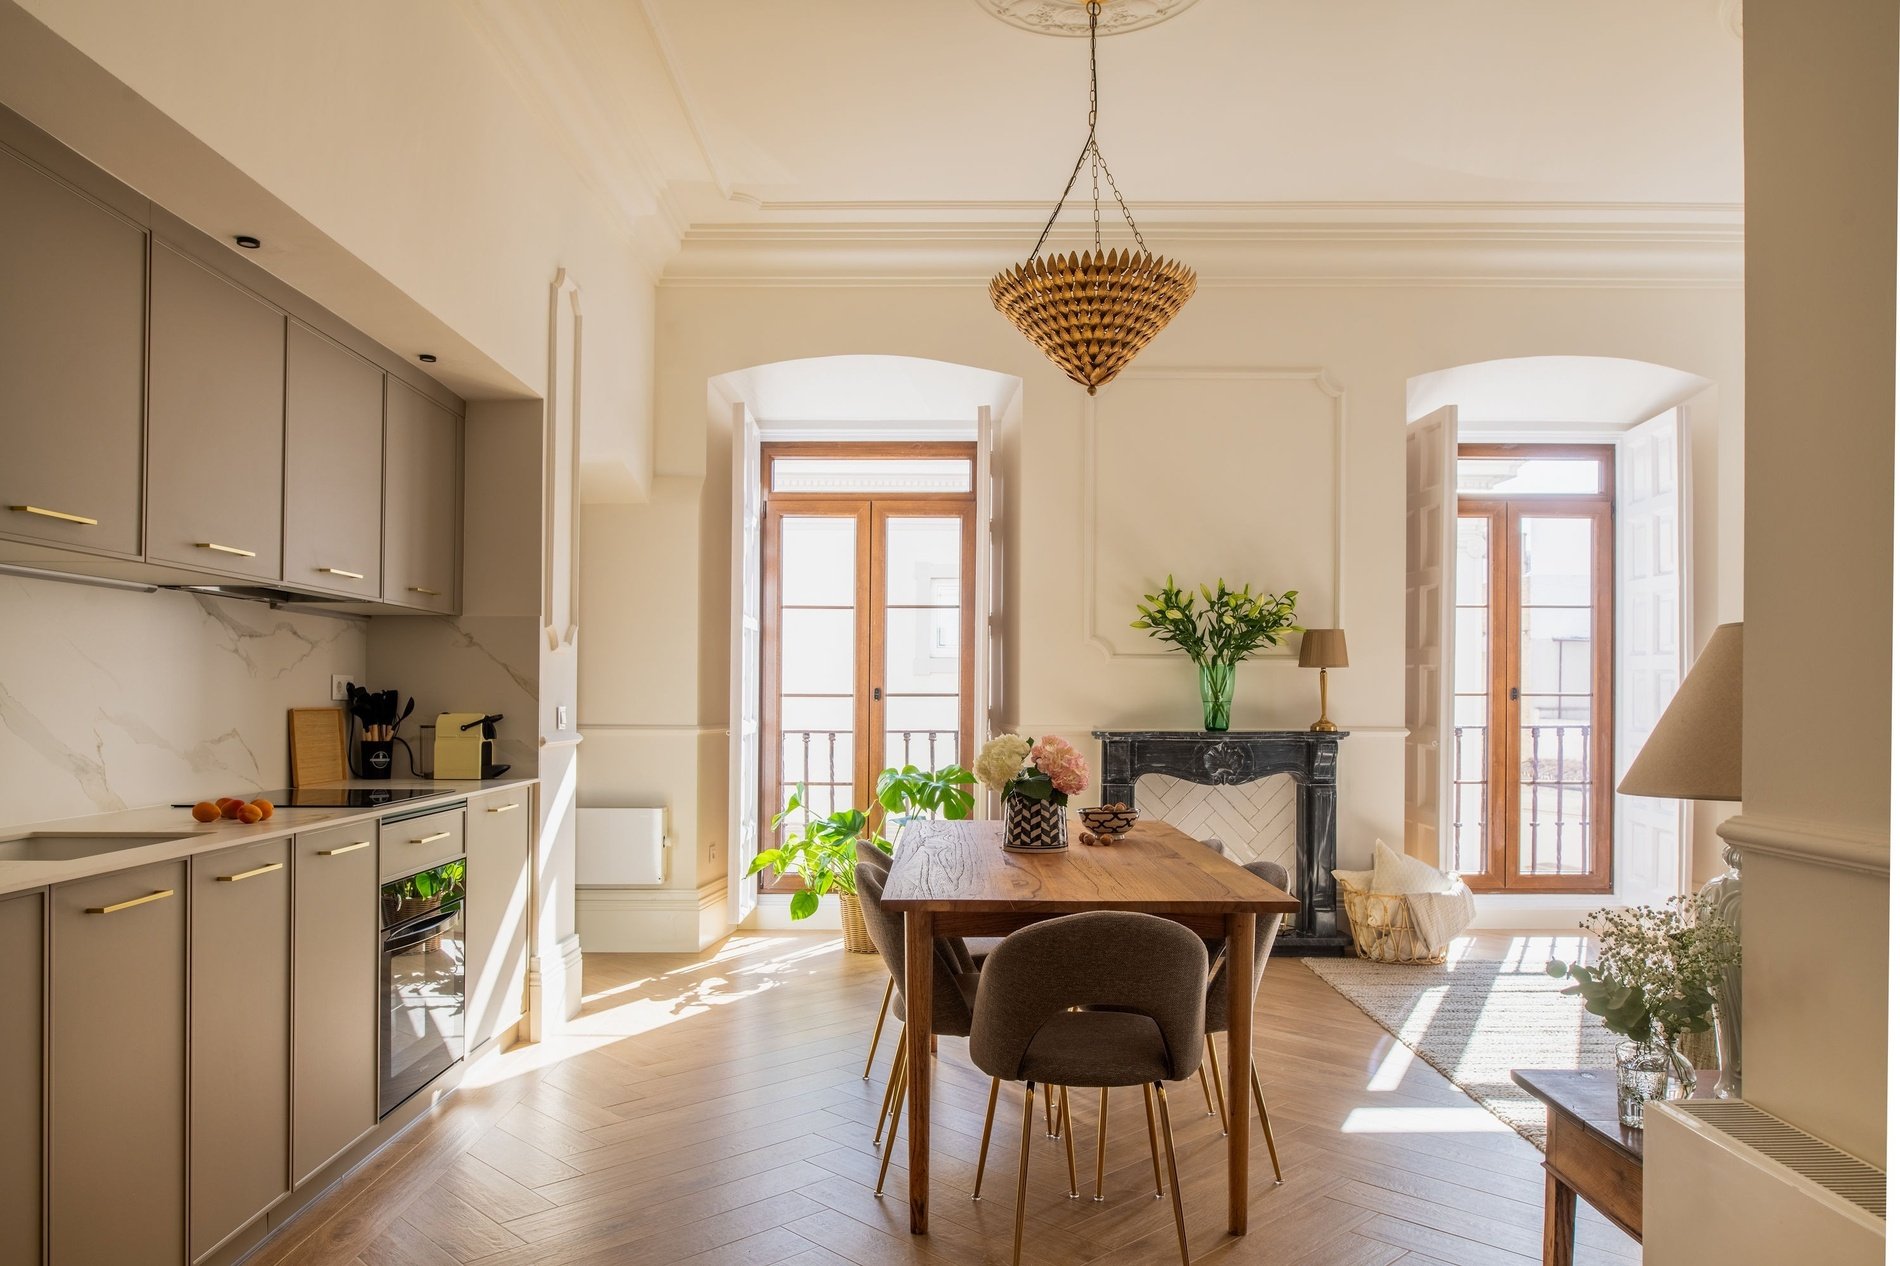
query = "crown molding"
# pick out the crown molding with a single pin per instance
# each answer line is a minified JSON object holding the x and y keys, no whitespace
{"x":1664,"y":245}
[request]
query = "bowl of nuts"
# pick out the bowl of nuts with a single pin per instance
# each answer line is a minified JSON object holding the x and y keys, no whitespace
{"x":1104,"y":824}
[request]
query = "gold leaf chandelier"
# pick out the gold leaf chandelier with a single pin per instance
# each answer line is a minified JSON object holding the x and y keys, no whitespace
{"x":1092,"y":313}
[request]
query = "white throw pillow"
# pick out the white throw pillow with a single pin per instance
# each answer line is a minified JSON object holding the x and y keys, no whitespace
{"x":1396,"y":873}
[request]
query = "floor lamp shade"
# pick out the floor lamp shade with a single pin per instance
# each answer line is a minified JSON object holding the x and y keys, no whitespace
{"x":1695,"y":751}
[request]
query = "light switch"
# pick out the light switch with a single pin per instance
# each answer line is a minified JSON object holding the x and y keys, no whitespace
{"x":560,"y":716}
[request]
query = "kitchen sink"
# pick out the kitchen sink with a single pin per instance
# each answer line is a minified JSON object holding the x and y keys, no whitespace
{"x":57,"y":847}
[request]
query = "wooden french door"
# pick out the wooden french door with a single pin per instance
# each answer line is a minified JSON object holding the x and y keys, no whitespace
{"x":869,"y":638}
{"x":1532,"y":737}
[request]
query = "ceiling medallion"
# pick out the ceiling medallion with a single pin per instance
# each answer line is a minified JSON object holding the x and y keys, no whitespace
{"x":1069,"y":17}
{"x":1092,"y":313}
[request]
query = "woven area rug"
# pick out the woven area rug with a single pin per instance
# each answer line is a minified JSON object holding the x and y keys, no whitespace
{"x":1475,"y":1020}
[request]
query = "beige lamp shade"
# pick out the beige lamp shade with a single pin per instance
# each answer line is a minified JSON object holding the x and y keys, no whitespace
{"x":1323,"y":648}
{"x":1695,"y":751}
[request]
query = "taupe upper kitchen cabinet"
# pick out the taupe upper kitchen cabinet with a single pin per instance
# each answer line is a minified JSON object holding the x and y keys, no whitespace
{"x":240,"y":1038}
{"x":72,"y":365}
{"x":422,"y":513}
{"x":117,"y":1168}
{"x":497,"y":912}
{"x":333,"y":1050}
{"x":333,"y":467}
{"x":23,"y":1004}
{"x":215,"y":423}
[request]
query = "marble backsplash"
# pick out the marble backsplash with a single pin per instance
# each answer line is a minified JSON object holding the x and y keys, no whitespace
{"x":113,"y":700}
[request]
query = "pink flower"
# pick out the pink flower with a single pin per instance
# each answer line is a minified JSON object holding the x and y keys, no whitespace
{"x":1067,"y":768}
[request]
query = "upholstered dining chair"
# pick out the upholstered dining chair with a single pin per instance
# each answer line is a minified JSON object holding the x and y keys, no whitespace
{"x":1102,"y":999}
{"x":1266,"y":930}
{"x":880,"y":861}
{"x":953,"y":987}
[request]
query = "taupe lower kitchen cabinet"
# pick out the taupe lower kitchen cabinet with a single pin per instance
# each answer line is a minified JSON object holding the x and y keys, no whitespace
{"x":215,"y":423}
{"x":240,"y":1038}
{"x":497,"y":912}
{"x":72,"y":365}
{"x":422,"y":514}
{"x":333,"y":1047}
{"x":22,"y":1031}
{"x":333,"y":467}
{"x":117,"y":1162}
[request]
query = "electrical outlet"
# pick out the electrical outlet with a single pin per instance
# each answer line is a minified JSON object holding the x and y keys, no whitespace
{"x":339,"y":687}
{"x":560,"y":716}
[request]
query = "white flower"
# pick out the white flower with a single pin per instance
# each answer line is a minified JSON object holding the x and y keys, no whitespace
{"x":1001,"y":760}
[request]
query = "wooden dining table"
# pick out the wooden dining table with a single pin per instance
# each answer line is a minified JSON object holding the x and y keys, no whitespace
{"x":956,"y":879}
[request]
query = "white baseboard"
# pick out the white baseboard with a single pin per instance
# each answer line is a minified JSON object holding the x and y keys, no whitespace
{"x":650,"y":920}
{"x":774,"y":914}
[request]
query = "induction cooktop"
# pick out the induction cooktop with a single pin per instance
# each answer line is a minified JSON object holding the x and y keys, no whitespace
{"x":339,"y":797}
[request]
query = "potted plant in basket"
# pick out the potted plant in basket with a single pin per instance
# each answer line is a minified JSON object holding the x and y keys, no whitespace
{"x":1035,"y":781}
{"x":1229,"y":626}
{"x":1653,"y":982}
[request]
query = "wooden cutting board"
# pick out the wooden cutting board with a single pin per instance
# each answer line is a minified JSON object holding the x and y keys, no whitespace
{"x":316,"y":746}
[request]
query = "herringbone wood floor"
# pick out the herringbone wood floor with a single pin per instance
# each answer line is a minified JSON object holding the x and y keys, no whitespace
{"x":709,"y":1109}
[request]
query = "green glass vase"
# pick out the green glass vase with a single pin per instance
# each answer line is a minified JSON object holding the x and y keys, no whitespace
{"x":1217,"y":696}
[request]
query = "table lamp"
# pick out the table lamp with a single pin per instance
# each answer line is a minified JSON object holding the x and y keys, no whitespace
{"x":1323,"y":649}
{"x":1695,"y":753}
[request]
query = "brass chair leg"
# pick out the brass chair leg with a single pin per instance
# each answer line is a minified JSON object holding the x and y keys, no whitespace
{"x":1101,"y":1144}
{"x":890,"y":987}
{"x":1022,"y":1168}
{"x":899,"y":1062}
{"x":1266,"y":1122}
{"x":1068,"y":1139}
{"x":1174,"y":1175}
{"x":1220,"y":1088}
{"x":983,"y":1152}
{"x":1049,"y":1125}
{"x":1206,"y":1094}
{"x":1154,"y":1144}
{"x":890,"y":1140}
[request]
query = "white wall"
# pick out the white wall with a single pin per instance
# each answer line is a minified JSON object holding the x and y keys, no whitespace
{"x":114,"y":700}
{"x":1232,"y":454}
{"x":1822,"y":85}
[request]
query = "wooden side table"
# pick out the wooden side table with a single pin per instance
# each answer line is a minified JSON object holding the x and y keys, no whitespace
{"x":1588,"y":1152}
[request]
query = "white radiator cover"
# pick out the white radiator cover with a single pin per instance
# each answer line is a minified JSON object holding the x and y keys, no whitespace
{"x":620,"y":848}
{"x":1725,"y":1184}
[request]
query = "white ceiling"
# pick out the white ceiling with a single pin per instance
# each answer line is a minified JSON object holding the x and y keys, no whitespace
{"x":826,"y":109}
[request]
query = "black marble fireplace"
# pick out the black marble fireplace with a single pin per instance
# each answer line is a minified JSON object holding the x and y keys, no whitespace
{"x":1229,"y":760}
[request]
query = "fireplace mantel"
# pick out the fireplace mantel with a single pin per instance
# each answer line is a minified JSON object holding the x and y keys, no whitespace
{"x":1311,"y":757}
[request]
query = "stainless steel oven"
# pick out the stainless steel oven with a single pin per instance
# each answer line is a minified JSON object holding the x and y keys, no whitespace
{"x":422,"y":986}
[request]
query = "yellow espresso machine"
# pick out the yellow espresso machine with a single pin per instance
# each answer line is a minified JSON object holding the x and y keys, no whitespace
{"x":465,"y":745}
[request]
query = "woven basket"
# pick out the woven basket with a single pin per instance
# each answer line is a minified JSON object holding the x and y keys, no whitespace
{"x":1382,"y":927}
{"x":857,"y":939}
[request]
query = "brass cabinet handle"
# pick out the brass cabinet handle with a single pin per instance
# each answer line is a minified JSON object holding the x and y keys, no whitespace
{"x":427,"y":593}
{"x":506,"y":808}
{"x":338,"y":571}
{"x":250,"y":874}
{"x":347,"y":848}
{"x":430,"y":839}
{"x":227,"y":549}
{"x":117,"y":906}
{"x":61,"y":515}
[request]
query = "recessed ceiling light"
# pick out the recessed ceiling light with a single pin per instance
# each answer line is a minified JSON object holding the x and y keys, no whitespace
{"x":427,"y":358}
{"x":248,"y":242}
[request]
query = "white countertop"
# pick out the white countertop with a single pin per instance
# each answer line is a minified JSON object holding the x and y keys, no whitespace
{"x":185,"y":836}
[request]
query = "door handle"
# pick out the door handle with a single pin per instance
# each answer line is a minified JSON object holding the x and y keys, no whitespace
{"x":117,"y":906}
{"x":506,"y":808}
{"x":250,"y":874}
{"x":338,"y":571}
{"x":227,"y":549}
{"x":430,"y":839}
{"x":1513,"y":694}
{"x":347,"y":848}
{"x":61,"y":515}
{"x":877,"y":692}
{"x":427,"y":593}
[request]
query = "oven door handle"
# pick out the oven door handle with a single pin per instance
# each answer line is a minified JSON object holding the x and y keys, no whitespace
{"x":416,"y":934}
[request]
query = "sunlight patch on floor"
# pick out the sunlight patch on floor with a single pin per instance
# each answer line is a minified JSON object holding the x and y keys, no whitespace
{"x":1472,"y":1120}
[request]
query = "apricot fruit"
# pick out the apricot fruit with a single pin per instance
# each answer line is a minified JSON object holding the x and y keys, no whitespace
{"x":232,"y":809}
{"x":205,"y":811}
{"x":264,"y":807}
{"x":225,"y":802}
{"x":249,"y":814}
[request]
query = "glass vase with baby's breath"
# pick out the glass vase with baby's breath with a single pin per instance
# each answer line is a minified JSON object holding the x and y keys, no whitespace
{"x":1653,"y":982}
{"x":1218,"y":629}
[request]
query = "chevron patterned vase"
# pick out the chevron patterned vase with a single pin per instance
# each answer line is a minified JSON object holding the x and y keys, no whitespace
{"x":1034,"y":826}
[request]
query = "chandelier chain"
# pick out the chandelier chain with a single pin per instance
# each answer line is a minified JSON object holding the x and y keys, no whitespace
{"x":1098,"y":165}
